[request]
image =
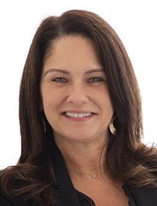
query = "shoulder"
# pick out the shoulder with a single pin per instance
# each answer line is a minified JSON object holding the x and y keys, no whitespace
{"x":145,"y":196}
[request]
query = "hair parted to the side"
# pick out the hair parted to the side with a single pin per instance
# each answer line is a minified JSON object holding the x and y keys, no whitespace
{"x":127,"y":158}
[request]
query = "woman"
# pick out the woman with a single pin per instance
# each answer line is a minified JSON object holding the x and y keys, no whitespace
{"x":81,"y":121}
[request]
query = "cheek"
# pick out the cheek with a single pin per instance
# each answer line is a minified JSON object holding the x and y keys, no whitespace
{"x":46,"y":96}
{"x":106,"y":105}
{"x":51,"y":99}
{"x":49,"y":102}
{"x":110,"y":106}
{"x":103,"y":97}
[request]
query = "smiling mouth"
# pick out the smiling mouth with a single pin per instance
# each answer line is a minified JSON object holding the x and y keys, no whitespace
{"x":80,"y":115}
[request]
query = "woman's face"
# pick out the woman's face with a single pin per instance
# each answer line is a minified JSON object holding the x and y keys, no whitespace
{"x":75,"y":95}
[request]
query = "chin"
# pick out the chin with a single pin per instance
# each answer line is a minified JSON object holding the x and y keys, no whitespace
{"x":79,"y":138}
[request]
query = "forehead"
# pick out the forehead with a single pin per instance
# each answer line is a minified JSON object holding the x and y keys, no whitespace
{"x":73,"y":52}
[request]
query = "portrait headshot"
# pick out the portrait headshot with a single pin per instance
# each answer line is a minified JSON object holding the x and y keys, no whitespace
{"x":80,"y":120}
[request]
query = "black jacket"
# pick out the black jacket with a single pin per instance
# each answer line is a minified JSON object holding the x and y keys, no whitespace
{"x":70,"y":197}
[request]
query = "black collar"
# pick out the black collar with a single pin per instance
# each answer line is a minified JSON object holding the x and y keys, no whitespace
{"x":137,"y":196}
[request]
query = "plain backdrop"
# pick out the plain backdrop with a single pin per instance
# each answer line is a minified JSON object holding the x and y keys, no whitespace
{"x":135,"y":21}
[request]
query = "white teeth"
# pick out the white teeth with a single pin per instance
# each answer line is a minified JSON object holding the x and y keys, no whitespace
{"x":76,"y":115}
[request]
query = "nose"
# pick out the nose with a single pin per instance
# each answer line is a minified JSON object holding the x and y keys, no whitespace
{"x":77,"y":95}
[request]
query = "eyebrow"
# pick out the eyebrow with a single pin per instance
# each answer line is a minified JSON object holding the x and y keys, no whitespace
{"x":94,"y":70}
{"x":66,"y":72}
{"x":56,"y":70}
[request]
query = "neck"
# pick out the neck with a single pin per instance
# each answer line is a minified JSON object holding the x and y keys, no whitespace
{"x":83,"y":158}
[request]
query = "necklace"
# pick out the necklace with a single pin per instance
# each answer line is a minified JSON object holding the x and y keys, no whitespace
{"x":93,"y":176}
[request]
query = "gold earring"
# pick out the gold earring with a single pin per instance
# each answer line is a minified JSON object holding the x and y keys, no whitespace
{"x":112,"y":128}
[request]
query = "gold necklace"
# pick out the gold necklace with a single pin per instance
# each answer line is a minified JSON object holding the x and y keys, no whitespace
{"x":93,"y":176}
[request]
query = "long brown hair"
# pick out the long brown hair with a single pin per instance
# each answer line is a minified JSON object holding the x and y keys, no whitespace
{"x":127,"y":158}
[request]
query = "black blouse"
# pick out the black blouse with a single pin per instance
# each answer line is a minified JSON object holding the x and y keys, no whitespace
{"x":71,"y":197}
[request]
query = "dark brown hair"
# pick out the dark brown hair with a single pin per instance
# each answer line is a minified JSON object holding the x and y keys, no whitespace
{"x":127,"y":158}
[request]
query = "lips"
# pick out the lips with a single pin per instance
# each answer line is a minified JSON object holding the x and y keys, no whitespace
{"x":78,"y":114}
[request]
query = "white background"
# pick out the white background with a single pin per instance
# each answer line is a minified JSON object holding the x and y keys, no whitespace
{"x":134,"y":20}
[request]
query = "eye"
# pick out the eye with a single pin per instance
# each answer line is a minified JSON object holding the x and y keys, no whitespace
{"x":96,"y":80}
{"x":59,"y":80}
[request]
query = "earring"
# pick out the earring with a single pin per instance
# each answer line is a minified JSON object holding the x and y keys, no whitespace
{"x":44,"y":124}
{"x":112,"y":127}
